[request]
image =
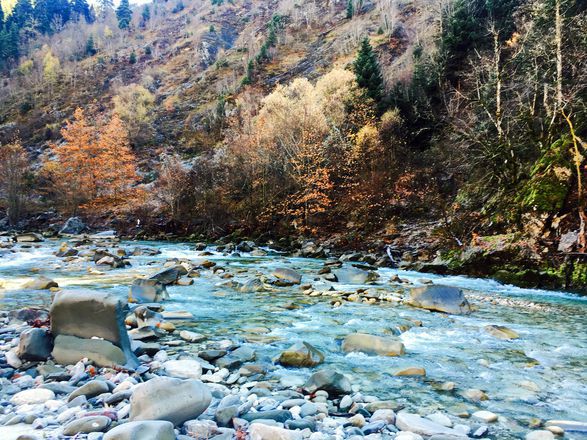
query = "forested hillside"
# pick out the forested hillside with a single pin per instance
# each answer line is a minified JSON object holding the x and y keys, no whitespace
{"x":454,"y":131}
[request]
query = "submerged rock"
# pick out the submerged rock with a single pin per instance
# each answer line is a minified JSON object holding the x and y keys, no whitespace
{"x":440,"y":299}
{"x":166,"y":398}
{"x":411,"y":371}
{"x":501,"y":332}
{"x":370,"y":344}
{"x":301,"y":354}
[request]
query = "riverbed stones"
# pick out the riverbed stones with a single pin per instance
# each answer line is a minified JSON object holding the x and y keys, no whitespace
{"x":259,"y":431}
{"x":375,"y":345}
{"x":32,"y":396}
{"x":183,"y":369}
{"x":485,"y":416}
{"x":91,"y":389}
{"x":501,"y":332}
{"x":301,"y":354}
{"x":148,"y":291}
{"x":425,"y":427}
{"x":288,"y":275}
{"x":87,"y":314}
{"x":330,"y":381}
{"x":440,"y":299}
{"x":86,"y":425}
{"x":143,"y":430}
{"x":35,"y":344}
{"x":171,"y":399}
{"x":541,"y":434}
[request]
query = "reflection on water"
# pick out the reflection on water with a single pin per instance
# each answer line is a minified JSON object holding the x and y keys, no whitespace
{"x":540,"y":375}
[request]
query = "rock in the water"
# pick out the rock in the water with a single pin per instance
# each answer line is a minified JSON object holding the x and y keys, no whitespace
{"x":86,"y":425}
{"x":352,"y":275}
{"x":35,"y":345}
{"x":440,"y":298}
{"x":475,"y":395}
{"x":301,"y":354}
{"x":331,"y":381}
{"x":31,"y":237}
{"x":288,"y":275}
{"x":425,"y":427}
{"x":485,"y":416}
{"x":87,"y":314}
{"x":73,"y":226}
{"x":40,"y":283}
{"x":69,"y":350}
{"x":540,"y":435}
{"x":170,"y":275}
{"x":411,"y":371}
{"x":370,"y":344}
{"x":148,"y":291}
{"x":569,"y":425}
{"x":501,"y":332}
{"x":143,"y":430}
{"x":189,"y":336}
{"x":166,"y":398}
{"x":32,"y":396}
{"x":183,"y":369}
{"x":259,"y":431}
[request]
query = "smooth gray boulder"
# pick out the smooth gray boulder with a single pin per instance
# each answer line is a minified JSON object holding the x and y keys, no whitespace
{"x":352,"y":275}
{"x":86,"y":425}
{"x":73,"y":226}
{"x":330,"y":381}
{"x":371,"y":344}
{"x":167,"y":398}
{"x":35,"y":345}
{"x":148,"y":291}
{"x":86,"y":314}
{"x":288,"y":275}
{"x":440,"y":299}
{"x":144,"y":430}
{"x":170,"y":275}
{"x":68,"y":350}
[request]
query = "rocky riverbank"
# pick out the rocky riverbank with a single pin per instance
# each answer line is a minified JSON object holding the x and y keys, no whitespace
{"x":93,"y":366}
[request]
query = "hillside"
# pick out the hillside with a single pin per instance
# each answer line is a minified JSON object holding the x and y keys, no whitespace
{"x":451,"y":131}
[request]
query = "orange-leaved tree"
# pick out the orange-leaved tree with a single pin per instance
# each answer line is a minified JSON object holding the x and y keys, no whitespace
{"x":93,"y":168}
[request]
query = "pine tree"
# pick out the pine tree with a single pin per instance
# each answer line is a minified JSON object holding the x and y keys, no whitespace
{"x":133,"y":57}
{"x":90,"y":46}
{"x":350,"y":9}
{"x":368,"y":72}
{"x":105,"y":7}
{"x":1,"y":18}
{"x":145,"y":16}
{"x":22,"y":14}
{"x":81,"y":8}
{"x":124,"y":14}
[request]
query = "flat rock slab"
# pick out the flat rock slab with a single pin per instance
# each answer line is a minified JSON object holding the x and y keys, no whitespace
{"x":69,"y":350}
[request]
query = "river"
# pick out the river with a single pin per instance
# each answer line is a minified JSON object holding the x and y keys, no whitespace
{"x":541,"y":375}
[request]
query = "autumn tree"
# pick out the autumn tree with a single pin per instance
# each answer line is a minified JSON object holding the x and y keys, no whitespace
{"x":134,"y":103}
{"x":14,"y":171}
{"x":93,"y":168}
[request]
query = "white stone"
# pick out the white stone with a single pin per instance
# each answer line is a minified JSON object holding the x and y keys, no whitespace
{"x":440,"y":418}
{"x":36,"y":395}
{"x":485,"y":416}
{"x":186,"y":335}
{"x":259,"y":431}
{"x":183,"y":369}
{"x":419,"y":425}
{"x":386,"y":415}
{"x":540,"y":435}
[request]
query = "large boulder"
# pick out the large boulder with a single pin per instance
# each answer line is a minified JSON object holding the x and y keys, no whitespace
{"x":144,"y":430}
{"x":440,"y":299}
{"x":73,"y":226}
{"x":148,"y":291}
{"x":301,"y":354}
{"x":69,"y":350}
{"x":35,"y":344}
{"x":166,"y":398}
{"x":330,"y":381}
{"x":288,"y":275}
{"x":370,"y":344}
{"x":353,"y":275}
{"x":87,"y":314}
